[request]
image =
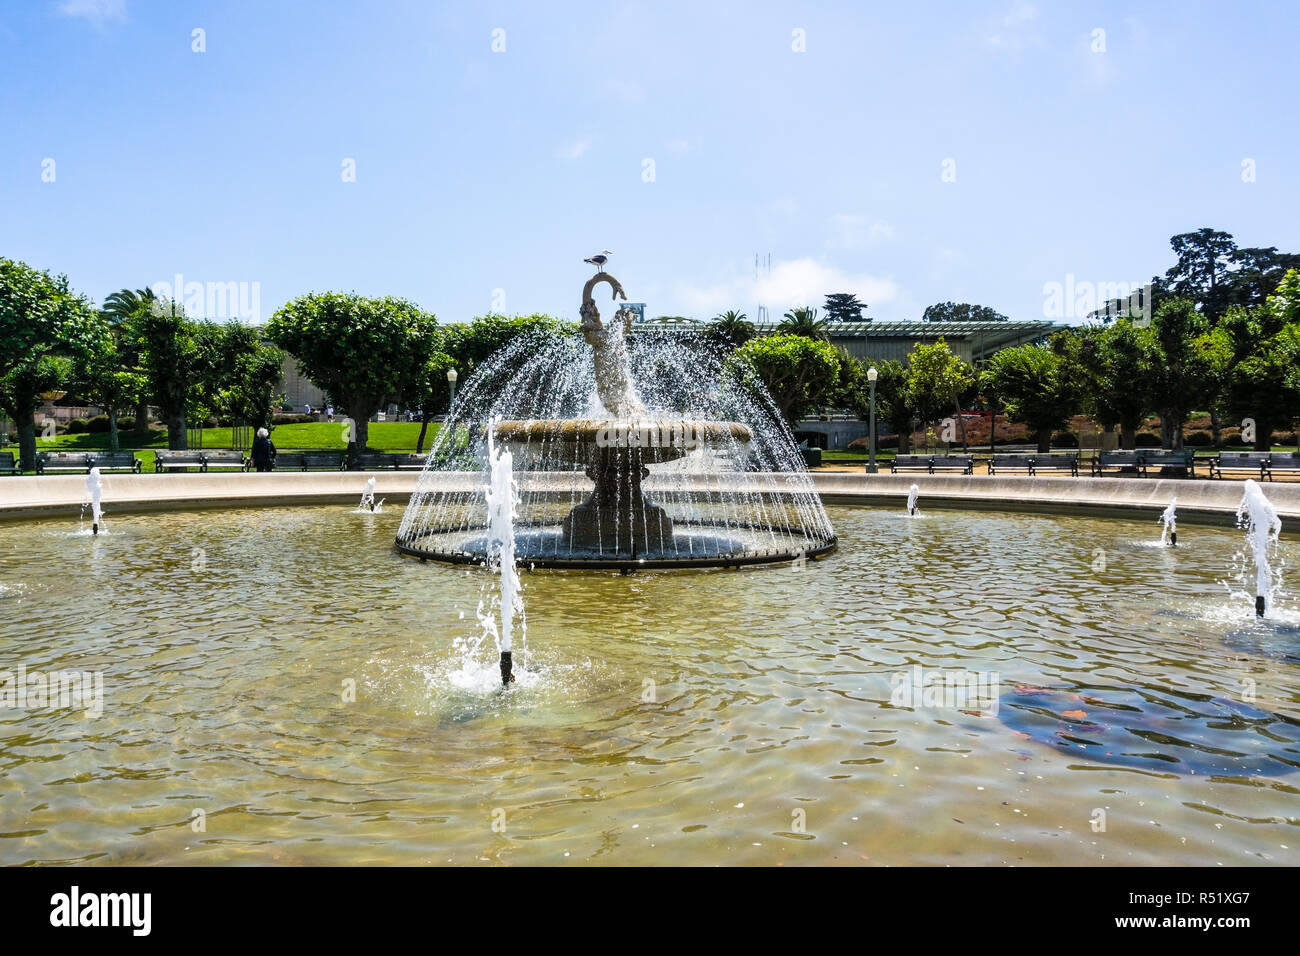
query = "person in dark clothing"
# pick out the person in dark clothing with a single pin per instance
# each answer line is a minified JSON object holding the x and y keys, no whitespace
{"x":263,"y":453}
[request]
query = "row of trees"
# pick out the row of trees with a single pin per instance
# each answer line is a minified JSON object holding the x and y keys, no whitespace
{"x":1245,"y":368}
{"x":135,"y":352}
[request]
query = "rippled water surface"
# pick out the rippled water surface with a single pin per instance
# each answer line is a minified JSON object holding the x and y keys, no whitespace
{"x":701,"y":717}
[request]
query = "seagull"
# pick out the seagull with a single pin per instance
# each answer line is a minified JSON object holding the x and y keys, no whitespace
{"x":599,"y":259}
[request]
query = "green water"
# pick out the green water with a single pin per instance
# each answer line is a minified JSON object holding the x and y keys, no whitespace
{"x":719,"y":717}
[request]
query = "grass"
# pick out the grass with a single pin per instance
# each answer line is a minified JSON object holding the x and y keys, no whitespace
{"x":313,"y":436}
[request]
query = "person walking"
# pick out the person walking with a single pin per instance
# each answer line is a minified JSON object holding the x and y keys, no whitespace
{"x":263,"y":453}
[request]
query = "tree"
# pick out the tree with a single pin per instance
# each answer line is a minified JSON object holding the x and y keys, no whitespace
{"x":844,"y":307}
{"x":1032,"y":383}
{"x":43,"y":325}
{"x":961,"y":312}
{"x":1114,"y":369}
{"x":109,"y":378}
{"x":432,"y":395}
{"x":1181,"y":365}
{"x":238,"y":375}
{"x":1201,"y":272}
{"x":731,"y":329}
{"x":1257,"y":352}
{"x":116,"y":309}
{"x":171,"y":360}
{"x":936,"y":379}
{"x":803,"y":321}
{"x":893,"y":401}
{"x":472,"y":343}
{"x":361,"y":351}
{"x":799,"y":373}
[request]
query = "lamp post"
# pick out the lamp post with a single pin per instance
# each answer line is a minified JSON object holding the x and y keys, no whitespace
{"x":916,"y":424}
{"x":871,"y":378}
{"x":451,"y":380}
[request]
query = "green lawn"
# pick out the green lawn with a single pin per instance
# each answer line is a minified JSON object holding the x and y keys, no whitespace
{"x":384,"y":436}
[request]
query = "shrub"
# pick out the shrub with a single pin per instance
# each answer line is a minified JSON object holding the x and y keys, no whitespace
{"x":97,"y":425}
{"x":1285,"y":438}
{"x":1065,"y":440}
{"x":1147,"y":440}
{"x":78,"y":426}
{"x":126,"y":424}
{"x":292,"y":420}
{"x":888,"y":441}
{"x":1198,"y":440}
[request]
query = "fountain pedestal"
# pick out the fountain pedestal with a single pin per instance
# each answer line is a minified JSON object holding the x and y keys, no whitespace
{"x":618,"y":516}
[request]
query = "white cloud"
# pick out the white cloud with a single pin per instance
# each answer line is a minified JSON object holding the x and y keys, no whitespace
{"x":575,"y":149}
{"x":791,"y":283}
{"x":96,"y":10}
{"x":1015,"y":29}
{"x":853,"y":233}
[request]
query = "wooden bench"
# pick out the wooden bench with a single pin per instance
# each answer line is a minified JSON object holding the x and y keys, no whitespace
{"x":963,"y":463}
{"x":114,"y":461}
{"x":1184,"y":461}
{"x":371,"y":461}
{"x":61,"y":461}
{"x":225,"y":459}
{"x":1061,"y":461}
{"x":368,"y":461}
{"x":1011,"y":463}
{"x":308,"y":460}
{"x":409,"y":460}
{"x":910,"y":463}
{"x":8,"y":466}
{"x":1283,"y":462}
{"x":1254,"y":463}
{"x":177,"y":460}
{"x":1122,"y":460}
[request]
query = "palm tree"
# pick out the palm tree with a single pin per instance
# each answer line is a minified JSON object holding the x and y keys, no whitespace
{"x":125,"y":302}
{"x":732,"y":328}
{"x":803,"y":321}
{"x":118,"y":307}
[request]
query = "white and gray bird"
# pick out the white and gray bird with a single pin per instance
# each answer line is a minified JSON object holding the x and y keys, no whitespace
{"x":599,"y":259}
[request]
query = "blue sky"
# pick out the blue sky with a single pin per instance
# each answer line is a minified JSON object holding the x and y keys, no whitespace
{"x":483,"y":178}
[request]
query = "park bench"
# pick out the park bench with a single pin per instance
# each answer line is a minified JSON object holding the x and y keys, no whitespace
{"x":1061,"y":461}
{"x":1122,"y":460}
{"x":8,"y":466}
{"x":178,"y":460}
{"x":1254,"y":463}
{"x":910,"y":463}
{"x":368,"y":461}
{"x":1011,"y":463}
{"x":963,"y":463}
{"x":61,"y":461}
{"x":1283,"y":462}
{"x":225,"y":459}
{"x":307,"y":460}
{"x":1184,"y":461}
{"x":113,"y":461}
{"x":409,"y":460}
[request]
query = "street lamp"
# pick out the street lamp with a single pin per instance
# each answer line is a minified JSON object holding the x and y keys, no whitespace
{"x":871,"y":377}
{"x":451,"y":380}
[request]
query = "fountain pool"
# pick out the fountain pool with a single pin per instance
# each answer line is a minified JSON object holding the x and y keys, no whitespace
{"x":668,"y":717}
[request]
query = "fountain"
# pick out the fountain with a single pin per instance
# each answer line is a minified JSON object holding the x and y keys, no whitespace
{"x":1258,"y":517}
{"x":686,"y":459}
{"x":912,"y":494}
{"x":502,"y":497}
{"x":1169,"y":525}
{"x":95,"y":492}
{"x":368,"y":497}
